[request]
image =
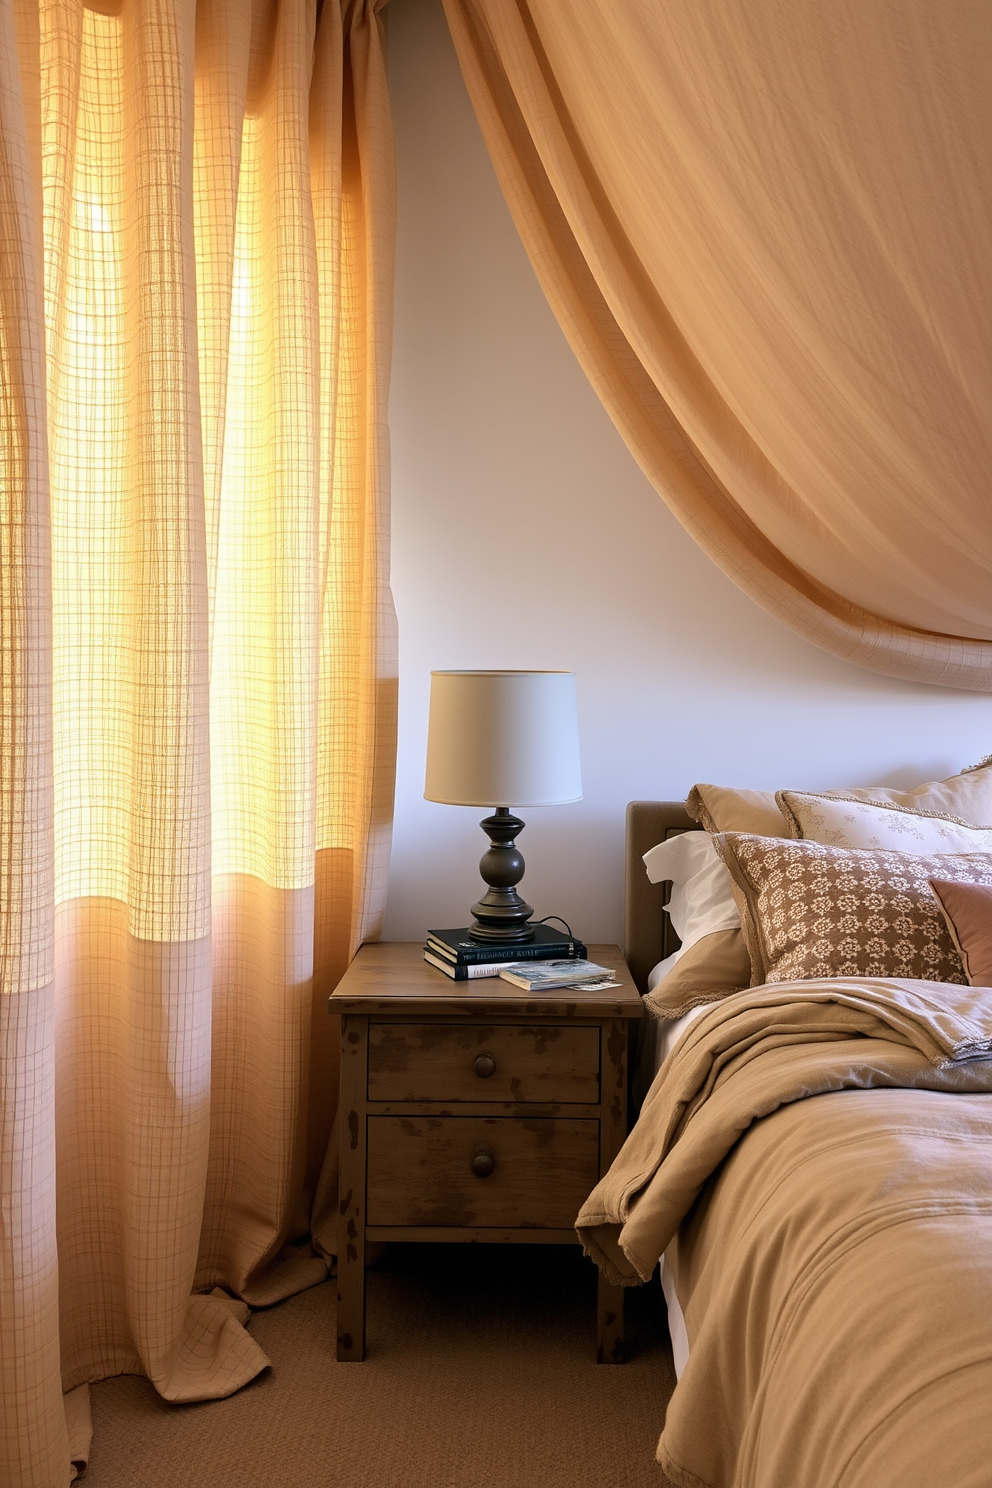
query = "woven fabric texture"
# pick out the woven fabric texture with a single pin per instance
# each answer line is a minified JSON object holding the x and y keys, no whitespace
{"x":765,"y":230}
{"x":197,"y":670}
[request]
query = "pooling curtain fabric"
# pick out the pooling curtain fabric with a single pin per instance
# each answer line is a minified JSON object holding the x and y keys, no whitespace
{"x":197,"y":685}
{"x":766,"y":228}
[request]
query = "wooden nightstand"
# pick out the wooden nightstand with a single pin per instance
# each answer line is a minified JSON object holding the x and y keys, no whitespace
{"x":474,"y":1111}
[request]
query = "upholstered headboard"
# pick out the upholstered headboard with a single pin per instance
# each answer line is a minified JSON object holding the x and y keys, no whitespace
{"x":648,"y":934}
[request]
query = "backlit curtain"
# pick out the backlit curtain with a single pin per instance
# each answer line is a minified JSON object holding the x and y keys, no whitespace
{"x":766,"y":228}
{"x":197,"y":686}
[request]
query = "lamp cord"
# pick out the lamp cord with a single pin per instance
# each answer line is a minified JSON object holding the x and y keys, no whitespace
{"x":568,"y":930}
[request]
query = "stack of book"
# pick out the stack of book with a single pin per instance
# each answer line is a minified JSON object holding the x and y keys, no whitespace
{"x":458,"y":956}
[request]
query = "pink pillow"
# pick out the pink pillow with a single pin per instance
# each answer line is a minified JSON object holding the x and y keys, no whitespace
{"x":967,"y":909}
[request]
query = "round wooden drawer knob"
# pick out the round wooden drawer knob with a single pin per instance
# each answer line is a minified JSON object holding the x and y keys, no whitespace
{"x":483,"y":1162}
{"x":484,"y":1066}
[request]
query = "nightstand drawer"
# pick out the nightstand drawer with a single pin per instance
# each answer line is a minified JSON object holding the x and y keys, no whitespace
{"x":479,"y":1062}
{"x":474,"y":1170}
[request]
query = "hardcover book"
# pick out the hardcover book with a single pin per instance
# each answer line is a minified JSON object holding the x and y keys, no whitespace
{"x":457,"y":946}
{"x":461,"y":973}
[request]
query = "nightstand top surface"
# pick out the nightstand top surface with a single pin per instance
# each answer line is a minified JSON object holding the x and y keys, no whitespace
{"x":393,"y":977}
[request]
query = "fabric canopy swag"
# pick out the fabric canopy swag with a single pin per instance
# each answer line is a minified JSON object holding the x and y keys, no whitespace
{"x":196,"y":672}
{"x":766,"y":230}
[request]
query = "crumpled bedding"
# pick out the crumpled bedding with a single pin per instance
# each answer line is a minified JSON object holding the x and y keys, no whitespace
{"x":834,"y":1266}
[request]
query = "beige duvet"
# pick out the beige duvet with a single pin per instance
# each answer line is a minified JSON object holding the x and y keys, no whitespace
{"x":835,"y":1266}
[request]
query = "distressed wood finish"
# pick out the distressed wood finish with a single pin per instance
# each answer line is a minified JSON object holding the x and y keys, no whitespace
{"x":433,"y":1150}
{"x":480,"y":1062}
{"x":420,"y":1171}
{"x":351,"y":1189}
{"x":470,"y":1234}
{"x":394,"y":978}
{"x":485,"y":1108}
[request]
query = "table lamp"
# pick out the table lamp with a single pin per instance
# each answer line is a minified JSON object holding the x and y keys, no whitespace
{"x":496,"y":738}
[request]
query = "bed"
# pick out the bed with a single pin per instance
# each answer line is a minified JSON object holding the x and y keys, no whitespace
{"x":813,"y":1161}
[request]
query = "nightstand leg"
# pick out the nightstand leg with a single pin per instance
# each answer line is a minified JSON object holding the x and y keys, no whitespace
{"x":609,"y":1322}
{"x":351,"y":1295}
{"x":351,"y":1207}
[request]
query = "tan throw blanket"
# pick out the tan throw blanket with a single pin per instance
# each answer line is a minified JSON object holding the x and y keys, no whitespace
{"x":835,"y":1269}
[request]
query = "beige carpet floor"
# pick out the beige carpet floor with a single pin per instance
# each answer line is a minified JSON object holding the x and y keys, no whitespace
{"x":480,"y":1374}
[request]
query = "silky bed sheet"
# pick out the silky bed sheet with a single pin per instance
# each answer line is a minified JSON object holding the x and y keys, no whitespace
{"x":833,"y":1265}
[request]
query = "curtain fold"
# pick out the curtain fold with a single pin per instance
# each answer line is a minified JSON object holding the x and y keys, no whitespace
{"x":766,"y":232}
{"x":198,"y":684}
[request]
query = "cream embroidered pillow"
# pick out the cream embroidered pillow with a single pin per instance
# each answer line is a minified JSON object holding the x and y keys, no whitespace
{"x":823,"y":817}
{"x":809,"y":910}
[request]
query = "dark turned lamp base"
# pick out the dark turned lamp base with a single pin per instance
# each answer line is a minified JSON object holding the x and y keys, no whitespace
{"x":501,"y":916}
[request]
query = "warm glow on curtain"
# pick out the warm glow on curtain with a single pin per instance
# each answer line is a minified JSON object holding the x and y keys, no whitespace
{"x":131,"y":799}
{"x":197,"y":685}
{"x":765,"y":229}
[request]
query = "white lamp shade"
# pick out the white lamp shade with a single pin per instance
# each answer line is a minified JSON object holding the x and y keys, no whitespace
{"x":503,"y":739}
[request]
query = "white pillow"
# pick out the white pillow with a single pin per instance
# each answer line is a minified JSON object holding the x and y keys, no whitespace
{"x":702,"y":899}
{"x":837,"y":822}
{"x":658,"y":973}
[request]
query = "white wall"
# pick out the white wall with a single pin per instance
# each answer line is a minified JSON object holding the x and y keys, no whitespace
{"x":524,"y":535}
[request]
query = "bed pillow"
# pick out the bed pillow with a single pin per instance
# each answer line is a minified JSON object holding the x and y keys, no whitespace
{"x":822,"y":817}
{"x":708,"y":971}
{"x":809,"y":910}
{"x":967,"y":911}
{"x":968,"y":795}
{"x":724,"y":808}
{"x":713,"y":960}
{"x":702,"y":898}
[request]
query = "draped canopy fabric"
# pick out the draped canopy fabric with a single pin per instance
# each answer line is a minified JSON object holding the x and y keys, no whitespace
{"x":766,"y":228}
{"x":197,"y":684}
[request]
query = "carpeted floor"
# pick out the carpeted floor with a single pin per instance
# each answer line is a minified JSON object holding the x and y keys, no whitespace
{"x":480,"y":1374}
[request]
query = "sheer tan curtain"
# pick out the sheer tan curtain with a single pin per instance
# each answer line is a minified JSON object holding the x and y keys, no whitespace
{"x":196,"y":699}
{"x":766,"y":229}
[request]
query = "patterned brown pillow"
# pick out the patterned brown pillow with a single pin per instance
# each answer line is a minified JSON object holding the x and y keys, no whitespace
{"x":809,"y":910}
